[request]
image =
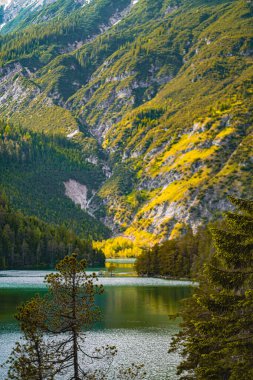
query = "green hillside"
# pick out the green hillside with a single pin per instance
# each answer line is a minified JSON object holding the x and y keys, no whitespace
{"x":27,"y":242}
{"x":161,"y":94}
{"x":34,"y":15}
{"x":37,"y":44}
{"x":33,"y":170}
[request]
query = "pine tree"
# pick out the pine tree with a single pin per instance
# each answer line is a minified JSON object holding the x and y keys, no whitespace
{"x":33,"y":358}
{"x":216,"y":339}
{"x":54,"y":328}
{"x":72,"y":312}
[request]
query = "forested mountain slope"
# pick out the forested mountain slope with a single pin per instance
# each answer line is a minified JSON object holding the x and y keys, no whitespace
{"x":27,"y":242}
{"x":18,"y":14}
{"x":38,"y":171}
{"x":156,"y":95}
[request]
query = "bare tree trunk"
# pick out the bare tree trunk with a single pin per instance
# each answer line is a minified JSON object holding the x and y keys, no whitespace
{"x":75,"y":352}
{"x":40,"y":375}
{"x":75,"y":345}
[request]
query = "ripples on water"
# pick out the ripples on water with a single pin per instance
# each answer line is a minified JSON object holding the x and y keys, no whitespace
{"x":36,"y":278}
{"x":148,"y":346}
{"x":135,"y":318}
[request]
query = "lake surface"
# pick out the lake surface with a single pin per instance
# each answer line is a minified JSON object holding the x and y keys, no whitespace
{"x":135,"y":318}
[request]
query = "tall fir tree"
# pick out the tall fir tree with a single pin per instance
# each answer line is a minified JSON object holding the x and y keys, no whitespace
{"x":216,"y":339}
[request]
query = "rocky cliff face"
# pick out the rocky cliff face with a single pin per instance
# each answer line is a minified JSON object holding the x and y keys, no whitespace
{"x":163,"y":91}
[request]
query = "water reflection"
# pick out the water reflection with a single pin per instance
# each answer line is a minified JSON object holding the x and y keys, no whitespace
{"x":133,"y":307}
{"x":10,"y":299}
{"x":121,"y":306}
{"x":134,"y":317}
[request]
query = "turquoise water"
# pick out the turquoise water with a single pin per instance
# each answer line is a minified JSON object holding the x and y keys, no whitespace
{"x":134,"y":318}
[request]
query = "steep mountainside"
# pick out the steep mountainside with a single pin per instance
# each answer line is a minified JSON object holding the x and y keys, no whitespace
{"x":26,"y":242}
{"x":40,"y":173}
{"x":18,"y":14}
{"x":158,"y":97}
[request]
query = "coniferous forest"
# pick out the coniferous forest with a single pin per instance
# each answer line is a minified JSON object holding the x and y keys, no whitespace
{"x":27,"y":242}
{"x":183,"y":257}
{"x":216,"y":337}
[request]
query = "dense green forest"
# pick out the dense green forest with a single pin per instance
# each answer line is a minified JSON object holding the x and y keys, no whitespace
{"x":27,"y":242}
{"x":33,"y":169}
{"x":183,"y":257}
